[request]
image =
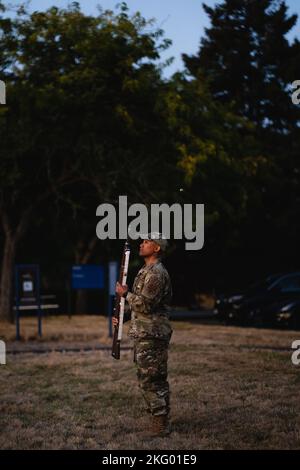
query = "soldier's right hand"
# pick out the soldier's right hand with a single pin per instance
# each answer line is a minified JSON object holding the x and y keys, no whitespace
{"x":115,"y":321}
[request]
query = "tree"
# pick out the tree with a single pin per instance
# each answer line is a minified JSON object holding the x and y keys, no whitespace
{"x":82,"y":111}
{"x":249,"y":62}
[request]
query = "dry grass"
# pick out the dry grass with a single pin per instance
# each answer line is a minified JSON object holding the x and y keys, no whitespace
{"x":229,"y":391}
{"x":64,"y":329}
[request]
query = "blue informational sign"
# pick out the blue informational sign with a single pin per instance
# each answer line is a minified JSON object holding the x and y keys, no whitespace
{"x":88,"y":276}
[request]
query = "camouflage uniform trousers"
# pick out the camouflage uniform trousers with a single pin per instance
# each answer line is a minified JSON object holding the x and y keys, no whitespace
{"x":151,"y":360}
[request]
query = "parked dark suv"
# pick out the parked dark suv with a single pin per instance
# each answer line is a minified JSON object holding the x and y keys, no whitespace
{"x":272,"y":301}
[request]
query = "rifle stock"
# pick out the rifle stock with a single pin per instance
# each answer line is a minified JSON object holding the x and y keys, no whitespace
{"x":119,"y":305}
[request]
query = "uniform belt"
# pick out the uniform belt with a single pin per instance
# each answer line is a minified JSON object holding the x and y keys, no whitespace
{"x":148,"y":315}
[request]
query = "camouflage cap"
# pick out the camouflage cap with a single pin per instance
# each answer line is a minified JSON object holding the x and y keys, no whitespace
{"x":158,"y":238}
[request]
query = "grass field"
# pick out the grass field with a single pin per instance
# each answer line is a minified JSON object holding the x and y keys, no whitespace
{"x":232,"y":388}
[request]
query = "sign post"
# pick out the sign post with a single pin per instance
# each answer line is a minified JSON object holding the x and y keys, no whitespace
{"x":112,"y":280}
{"x":27,"y":293}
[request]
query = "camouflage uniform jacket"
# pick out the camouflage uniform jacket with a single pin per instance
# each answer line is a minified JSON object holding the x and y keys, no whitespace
{"x":150,"y":303}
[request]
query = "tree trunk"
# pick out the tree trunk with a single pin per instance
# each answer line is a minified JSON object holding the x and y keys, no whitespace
{"x":11,"y":239}
{"x":6,"y":282}
{"x":81,"y":302}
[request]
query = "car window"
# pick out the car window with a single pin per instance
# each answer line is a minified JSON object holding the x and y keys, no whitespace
{"x":259,"y":286}
{"x":288,"y":284}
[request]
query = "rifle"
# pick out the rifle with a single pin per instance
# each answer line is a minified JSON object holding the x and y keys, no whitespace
{"x":120,"y":303}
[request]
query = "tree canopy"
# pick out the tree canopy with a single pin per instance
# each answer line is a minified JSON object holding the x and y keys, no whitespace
{"x":89,"y":116}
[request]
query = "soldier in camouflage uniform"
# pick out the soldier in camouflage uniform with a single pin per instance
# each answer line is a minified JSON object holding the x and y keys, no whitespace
{"x":151,"y":330}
